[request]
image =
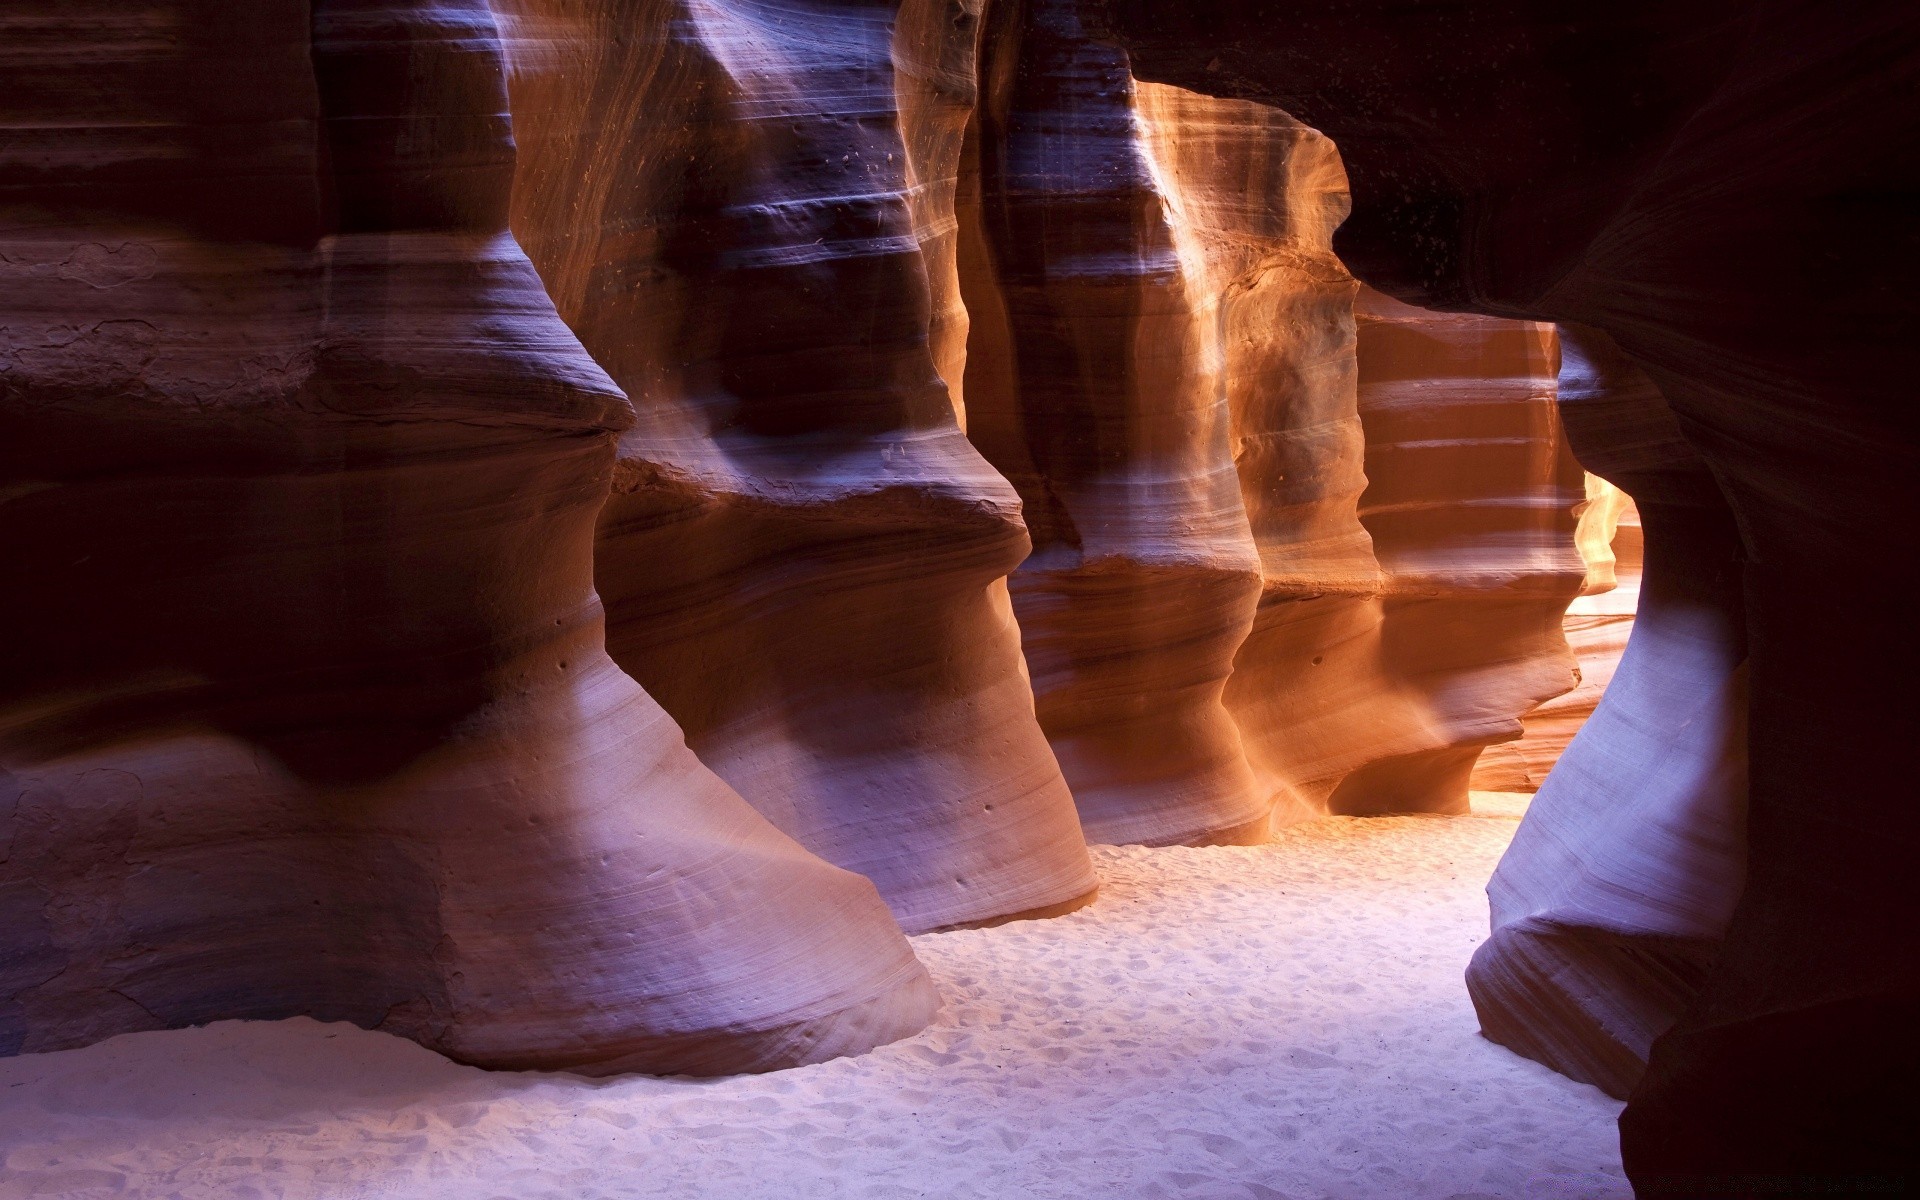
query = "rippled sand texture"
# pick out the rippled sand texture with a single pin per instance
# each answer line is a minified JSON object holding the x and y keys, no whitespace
{"x":1283,"y":1020}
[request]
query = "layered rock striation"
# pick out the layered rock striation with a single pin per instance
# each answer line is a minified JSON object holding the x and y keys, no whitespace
{"x":1094,"y":383}
{"x":1715,"y":185}
{"x":739,"y":207}
{"x":1373,"y":695}
{"x":307,"y":709}
{"x":1611,"y":903}
{"x":1597,"y":625}
{"x":1255,"y":197}
{"x":346,"y":527}
{"x":1163,"y":360}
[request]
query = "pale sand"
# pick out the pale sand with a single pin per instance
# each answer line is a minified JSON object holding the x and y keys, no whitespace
{"x":1284,"y":1020}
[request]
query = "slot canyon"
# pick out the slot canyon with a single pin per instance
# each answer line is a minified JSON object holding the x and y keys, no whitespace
{"x":1233,"y":599}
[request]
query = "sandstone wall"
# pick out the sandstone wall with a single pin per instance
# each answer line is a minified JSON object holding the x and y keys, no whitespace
{"x":1597,"y":626}
{"x":1094,"y":383}
{"x":1612,"y":901}
{"x":1713,"y":185}
{"x":1226,"y":622}
{"x":530,"y":650}
{"x":1380,"y":701}
{"x":307,"y":709}
{"x":804,"y":557}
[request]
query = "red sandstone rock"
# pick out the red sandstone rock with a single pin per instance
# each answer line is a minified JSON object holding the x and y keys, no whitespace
{"x":357,"y":750}
{"x":1378,"y":696}
{"x":1163,"y":362}
{"x":1093,"y":382}
{"x":307,"y":709}
{"x":804,"y":558}
{"x":1612,"y":901}
{"x":1596,"y":626}
{"x":1723,"y":187}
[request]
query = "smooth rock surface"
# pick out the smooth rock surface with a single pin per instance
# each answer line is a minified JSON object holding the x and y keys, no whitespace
{"x":1094,"y":382}
{"x":306,"y":709}
{"x":1611,"y":903}
{"x":739,"y":207}
{"x":1228,"y":1023}
{"x":1379,"y":698}
{"x":1222,"y":630}
{"x":1597,"y":625}
{"x":1722,"y":187}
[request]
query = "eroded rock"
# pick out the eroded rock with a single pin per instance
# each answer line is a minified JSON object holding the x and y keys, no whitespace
{"x":308,"y":710}
{"x":1711,"y":183}
{"x":804,"y":557}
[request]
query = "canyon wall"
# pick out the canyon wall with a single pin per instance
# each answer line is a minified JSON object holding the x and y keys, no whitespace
{"x":1222,"y":629}
{"x":1612,"y":901}
{"x":1714,"y":185}
{"x":1255,"y":197}
{"x":591,"y":655}
{"x":1094,"y":384}
{"x":1382,"y":701}
{"x":1598,"y":623}
{"x":306,"y":709}
{"x":739,"y":209}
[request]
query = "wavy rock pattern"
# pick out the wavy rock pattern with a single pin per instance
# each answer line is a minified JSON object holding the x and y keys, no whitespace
{"x":317,"y":487}
{"x":301,"y":477}
{"x":1712,"y":184}
{"x":1256,"y":197}
{"x":1370,"y":695}
{"x":803,"y":559}
{"x":1597,"y":626}
{"x":1163,"y":361}
{"x":1611,"y":902}
{"x":1093,"y":384}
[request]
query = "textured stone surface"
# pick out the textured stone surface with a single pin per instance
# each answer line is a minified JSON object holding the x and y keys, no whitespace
{"x":1715,"y":184}
{"x":1597,"y":626}
{"x":1609,"y":906}
{"x":306,"y":709}
{"x":1255,"y":1022}
{"x":310,"y":495}
{"x":1094,"y":383}
{"x":804,"y":557}
{"x":1221,"y":628}
{"x":1379,"y":698}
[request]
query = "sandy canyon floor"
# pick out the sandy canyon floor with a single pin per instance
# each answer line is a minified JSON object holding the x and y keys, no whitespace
{"x":1256,"y":1023}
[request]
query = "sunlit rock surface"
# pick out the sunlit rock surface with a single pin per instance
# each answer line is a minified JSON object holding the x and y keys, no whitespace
{"x":739,"y":207}
{"x":1596,"y":626}
{"x":1094,"y":382}
{"x":305,"y":708}
{"x":1611,"y":903}
{"x":828,"y":314}
{"x":1721,"y":187}
{"x":1222,"y":630}
{"x":1379,"y":698}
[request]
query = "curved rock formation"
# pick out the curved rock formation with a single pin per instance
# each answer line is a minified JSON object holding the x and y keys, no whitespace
{"x":1163,"y":361}
{"x":1720,"y":186}
{"x":1597,"y":626}
{"x":1610,"y":904}
{"x":1379,"y":695}
{"x":1093,"y":382}
{"x":307,"y":709}
{"x":803,"y":559}
{"x":1255,"y":197}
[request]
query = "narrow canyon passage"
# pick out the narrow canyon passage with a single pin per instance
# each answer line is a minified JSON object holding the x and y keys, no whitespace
{"x":1230,"y":1023}
{"x":957,"y":598}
